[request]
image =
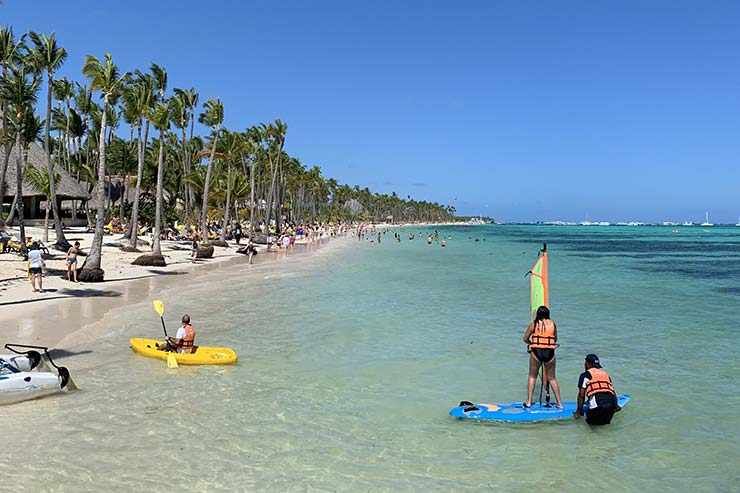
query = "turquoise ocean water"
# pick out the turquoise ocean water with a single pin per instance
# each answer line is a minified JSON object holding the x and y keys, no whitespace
{"x":351,"y":357}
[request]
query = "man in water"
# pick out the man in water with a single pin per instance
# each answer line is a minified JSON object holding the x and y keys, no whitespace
{"x":595,"y":384}
{"x":183,"y":340}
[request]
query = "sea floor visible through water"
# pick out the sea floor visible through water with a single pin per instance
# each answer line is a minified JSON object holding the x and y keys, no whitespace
{"x":351,"y":357}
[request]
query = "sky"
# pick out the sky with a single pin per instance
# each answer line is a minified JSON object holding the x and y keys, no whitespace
{"x":516,"y":110}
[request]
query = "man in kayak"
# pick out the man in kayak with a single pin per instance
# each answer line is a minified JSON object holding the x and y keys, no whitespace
{"x":183,"y":340}
{"x":596,"y":385}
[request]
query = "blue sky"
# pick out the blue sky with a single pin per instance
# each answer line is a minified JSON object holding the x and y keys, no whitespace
{"x":611,"y":110}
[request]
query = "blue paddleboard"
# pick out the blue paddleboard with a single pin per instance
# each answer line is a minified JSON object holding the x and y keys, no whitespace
{"x":517,"y":413}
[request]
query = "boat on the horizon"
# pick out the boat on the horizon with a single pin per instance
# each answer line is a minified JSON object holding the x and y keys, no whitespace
{"x":706,"y":222}
{"x":738,"y":221}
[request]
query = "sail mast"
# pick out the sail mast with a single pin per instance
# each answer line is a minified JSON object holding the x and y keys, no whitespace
{"x":538,"y":286}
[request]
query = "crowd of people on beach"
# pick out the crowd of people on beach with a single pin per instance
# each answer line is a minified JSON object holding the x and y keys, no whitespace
{"x":245,"y":239}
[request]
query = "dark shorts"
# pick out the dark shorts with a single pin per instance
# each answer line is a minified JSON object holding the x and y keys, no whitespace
{"x":34,"y":270}
{"x":544,"y":355}
{"x":603,"y":412}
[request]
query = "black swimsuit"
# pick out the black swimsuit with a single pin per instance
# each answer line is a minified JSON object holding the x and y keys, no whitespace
{"x":544,"y":355}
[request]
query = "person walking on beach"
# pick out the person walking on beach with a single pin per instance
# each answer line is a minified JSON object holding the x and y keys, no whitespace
{"x":72,"y":261}
{"x":194,"y":249}
{"x":596,"y":385}
{"x":541,"y":337}
{"x":35,"y":264}
{"x":184,"y":339}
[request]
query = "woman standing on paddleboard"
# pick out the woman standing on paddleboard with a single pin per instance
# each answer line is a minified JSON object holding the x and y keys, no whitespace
{"x":542,"y":336}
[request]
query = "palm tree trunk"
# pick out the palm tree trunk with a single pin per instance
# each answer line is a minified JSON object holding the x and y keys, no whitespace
{"x":228,"y":204}
{"x":207,"y":185}
{"x":6,"y":159}
{"x":157,"y":248}
{"x":7,"y":146}
{"x":66,"y":139}
{"x":186,"y":172}
{"x":19,"y":189}
{"x":61,"y":243}
{"x":93,"y":260}
{"x":134,"y":222}
{"x":252,"y":219}
{"x":13,"y":207}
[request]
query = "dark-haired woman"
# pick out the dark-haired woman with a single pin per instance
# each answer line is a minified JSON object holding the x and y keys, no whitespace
{"x":541,"y":336}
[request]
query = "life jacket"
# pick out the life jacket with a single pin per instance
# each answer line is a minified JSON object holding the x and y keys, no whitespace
{"x":543,"y":335}
{"x":186,"y":345}
{"x":599,"y":382}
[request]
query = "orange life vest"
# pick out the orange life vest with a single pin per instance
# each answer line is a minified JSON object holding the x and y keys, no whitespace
{"x":599,"y":382}
{"x":186,"y":345}
{"x":543,"y":335}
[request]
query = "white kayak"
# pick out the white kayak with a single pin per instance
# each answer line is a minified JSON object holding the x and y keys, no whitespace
{"x":18,"y":380}
{"x":25,"y":385}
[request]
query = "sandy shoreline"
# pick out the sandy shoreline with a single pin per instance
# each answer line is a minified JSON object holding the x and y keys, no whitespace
{"x":59,"y":317}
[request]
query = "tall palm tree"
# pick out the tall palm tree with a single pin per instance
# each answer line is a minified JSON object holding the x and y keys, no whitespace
{"x":10,"y":52}
{"x":63,"y":91}
{"x":161,"y":121}
{"x":274,"y":133}
{"x":231,"y":145}
{"x":46,"y":54}
{"x":39,"y":179}
{"x":212,"y":116}
{"x":254,"y":138}
{"x":21,"y":93}
{"x":139,"y":96}
{"x":104,"y":77}
{"x":183,"y":114}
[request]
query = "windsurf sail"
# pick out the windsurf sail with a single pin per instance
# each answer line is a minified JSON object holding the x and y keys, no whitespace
{"x":538,"y":291}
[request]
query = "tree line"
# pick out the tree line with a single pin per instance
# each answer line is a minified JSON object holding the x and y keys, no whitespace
{"x":224,"y":175}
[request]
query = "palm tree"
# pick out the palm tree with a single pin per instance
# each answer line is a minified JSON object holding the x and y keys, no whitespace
{"x":161,"y":120}
{"x":212,"y":116}
{"x":21,"y":94}
{"x":47,"y":55}
{"x":10,"y":52}
{"x":63,"y":91}
{"x":232,"y":143}
{"x":139,"y":96}
{"x":184,"y":112}
{"x":39,"y":179}
{"x":104,"y":77}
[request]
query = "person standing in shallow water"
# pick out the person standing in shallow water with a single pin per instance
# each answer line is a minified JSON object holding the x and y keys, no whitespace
{"x":541,"y":337}
{"x":595,"y":385}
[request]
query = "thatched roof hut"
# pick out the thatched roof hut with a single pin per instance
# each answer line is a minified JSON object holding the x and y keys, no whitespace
{"x":67,"y":187}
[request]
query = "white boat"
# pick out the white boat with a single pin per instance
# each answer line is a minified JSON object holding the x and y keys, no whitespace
{"x":688,"y":223}
{"x":706,"y":222}
{"x":17,"y":386}
{"x":738,"y":221}
{"x":18,"y":380}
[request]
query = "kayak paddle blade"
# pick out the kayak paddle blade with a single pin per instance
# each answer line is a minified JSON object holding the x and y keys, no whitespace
{"x":159,"y":307}
{"x":171,"y":361}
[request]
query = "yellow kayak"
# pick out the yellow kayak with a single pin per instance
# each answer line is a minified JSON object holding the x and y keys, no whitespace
{"x":201,"y":355}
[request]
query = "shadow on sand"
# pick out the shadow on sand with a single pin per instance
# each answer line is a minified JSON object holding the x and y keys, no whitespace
{"x":67,"y":293}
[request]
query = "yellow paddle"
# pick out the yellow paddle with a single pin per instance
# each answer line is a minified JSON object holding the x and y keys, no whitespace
{"x":159,"y":308}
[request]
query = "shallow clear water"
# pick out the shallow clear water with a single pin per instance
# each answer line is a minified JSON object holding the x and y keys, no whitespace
{"x":351,"y":357}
